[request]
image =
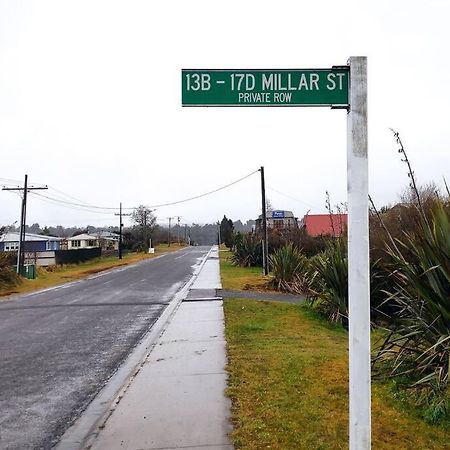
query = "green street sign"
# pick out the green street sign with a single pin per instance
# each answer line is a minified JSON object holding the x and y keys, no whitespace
{"x":265,"y":87}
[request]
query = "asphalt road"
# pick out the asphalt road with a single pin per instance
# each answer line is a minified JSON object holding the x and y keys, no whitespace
{"x":59,"y":347}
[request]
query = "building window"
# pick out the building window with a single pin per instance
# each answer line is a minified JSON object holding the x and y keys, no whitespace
{"x":91,"y":243}
{"x":11,"y":246}
{"x":76,"y":243}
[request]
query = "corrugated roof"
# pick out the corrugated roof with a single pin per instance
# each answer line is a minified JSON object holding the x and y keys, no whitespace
{"x":104,"y":235}
{"x":82,"y":237}
{"x":14,"y":236}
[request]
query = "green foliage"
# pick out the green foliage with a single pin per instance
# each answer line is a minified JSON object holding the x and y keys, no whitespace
{"x":330,"y":281}
{"x":289,"y":269}
{"x":145,"y":227}
{"x":418,"y":345}
{"x":288,"y":383}
{"x":226,"y":232}
{"x":8,"y":277}
{"x":247,"y":250}
{"x":247,"y":247}
{"x":299,"y":238}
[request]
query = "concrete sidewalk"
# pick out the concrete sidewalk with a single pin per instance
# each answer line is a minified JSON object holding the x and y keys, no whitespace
{"x":177,"y":399}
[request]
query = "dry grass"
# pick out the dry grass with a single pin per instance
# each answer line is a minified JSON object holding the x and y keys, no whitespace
{"x":60,"y":275}
{"x":289,"y":385}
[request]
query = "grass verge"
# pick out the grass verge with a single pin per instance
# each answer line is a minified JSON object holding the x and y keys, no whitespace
{"x":239,"y":278}
{"x":288,"y":379}
{"x":288,"y":382}
{"x":70,"y":272}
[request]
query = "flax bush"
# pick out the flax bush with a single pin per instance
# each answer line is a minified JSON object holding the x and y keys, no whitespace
{"x":247,"y":250}
{"x":330,"y":281}
{"x":289,"y":270}
{"x":418,"y":343}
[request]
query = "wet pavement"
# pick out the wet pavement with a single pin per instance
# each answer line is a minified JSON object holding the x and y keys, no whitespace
{"x":177,"y":400}
{"x":59,"y":347}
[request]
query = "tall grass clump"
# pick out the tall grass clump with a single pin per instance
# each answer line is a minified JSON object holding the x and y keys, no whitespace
{"x":289,"y":270}
{"x":8,"y":277}
{"x":247,"y":250}
{"x":418,"y":344}
{"x":416,"y":349}
{"x":329,"y":278}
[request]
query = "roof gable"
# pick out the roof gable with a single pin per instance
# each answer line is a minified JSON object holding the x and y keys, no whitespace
{"x":82,"y":237}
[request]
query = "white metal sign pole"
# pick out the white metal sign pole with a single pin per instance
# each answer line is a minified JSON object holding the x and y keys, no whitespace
{"x":358,"y":257}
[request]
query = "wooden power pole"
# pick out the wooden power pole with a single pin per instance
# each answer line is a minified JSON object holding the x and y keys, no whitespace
{"x":121,"y":214}
{"x":23,"y":220}
{"x":265,"y":244}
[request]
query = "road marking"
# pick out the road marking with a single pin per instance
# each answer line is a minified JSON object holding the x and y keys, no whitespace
{"x":85,"y":429}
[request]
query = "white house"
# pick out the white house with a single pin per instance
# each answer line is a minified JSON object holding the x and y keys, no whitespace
{"x":82,"y":241}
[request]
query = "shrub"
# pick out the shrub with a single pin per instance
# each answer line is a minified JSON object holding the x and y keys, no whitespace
{"x":418,"y":345}
{"x":8,"y":277}
{"x":289,"y":268}
{"x":330,"y":281}
{"x":299,"y":238}
{"x":247,"y":250}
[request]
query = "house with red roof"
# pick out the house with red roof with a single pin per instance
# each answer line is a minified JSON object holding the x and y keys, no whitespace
{"x":324,"y":224}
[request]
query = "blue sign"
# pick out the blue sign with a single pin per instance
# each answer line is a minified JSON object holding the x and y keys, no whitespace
{"x":278,"y":214}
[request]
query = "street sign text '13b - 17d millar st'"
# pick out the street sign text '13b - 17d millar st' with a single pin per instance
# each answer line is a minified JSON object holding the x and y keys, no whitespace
{"x":265,"y":87}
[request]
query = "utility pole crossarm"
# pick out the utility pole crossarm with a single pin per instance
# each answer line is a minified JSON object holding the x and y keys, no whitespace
{"x":29,"y":188}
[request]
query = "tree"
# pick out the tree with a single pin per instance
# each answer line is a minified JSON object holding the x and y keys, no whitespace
{"x":145,"y":220}
{"x":226,"y":232}
{"x":35,"y":228}
{"x":45,"y":231}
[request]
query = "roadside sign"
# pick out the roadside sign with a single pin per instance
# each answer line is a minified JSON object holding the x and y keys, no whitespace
{"x":265,"y":87}
{"x":318,"y":87}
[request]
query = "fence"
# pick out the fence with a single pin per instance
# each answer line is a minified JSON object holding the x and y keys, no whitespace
{"x":76,"y":256}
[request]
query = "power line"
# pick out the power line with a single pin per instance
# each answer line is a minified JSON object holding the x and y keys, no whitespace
{"x":292,"y":198}
{"x":63,"y":204}
{"x":67,"y":195}
{"x":205,"y":194}
{"x":90,"y":207}
{"x":82,"y":205}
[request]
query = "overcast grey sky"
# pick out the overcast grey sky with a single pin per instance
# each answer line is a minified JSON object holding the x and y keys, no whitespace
{"x":90,"y":103}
